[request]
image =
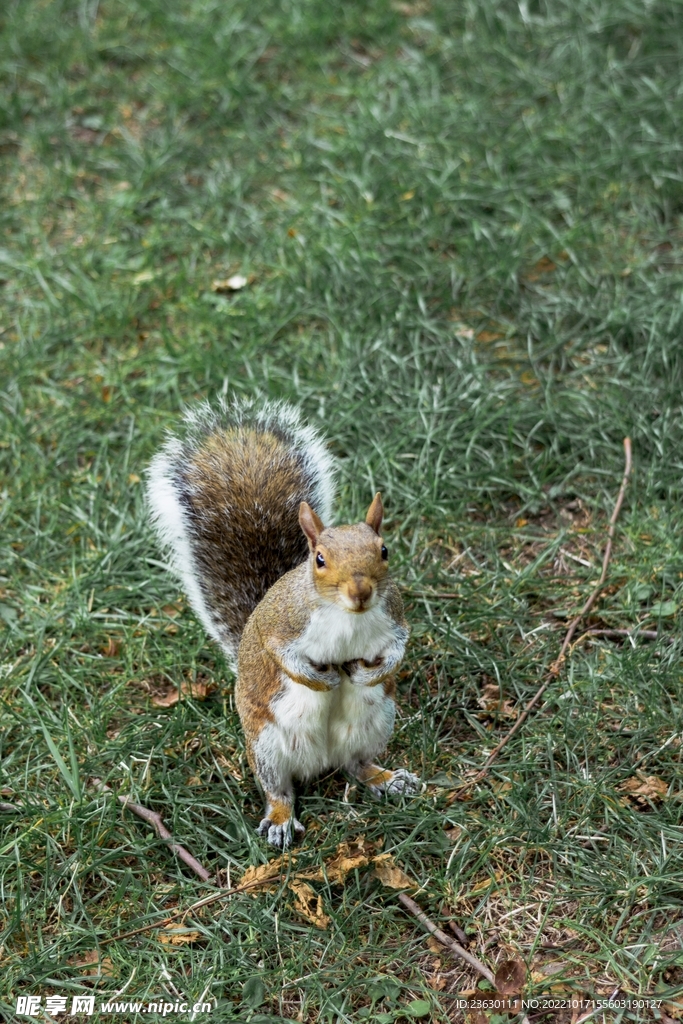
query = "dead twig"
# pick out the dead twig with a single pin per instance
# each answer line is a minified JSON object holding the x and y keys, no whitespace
{"x":460,"y":935}
{"x":644,"y":634}
{"x":444,"y":939}
{"x":559,"y":661}
{"x":153,"y":818}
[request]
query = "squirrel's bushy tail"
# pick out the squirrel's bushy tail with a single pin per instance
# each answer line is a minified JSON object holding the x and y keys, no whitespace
{"x":224,"y":498}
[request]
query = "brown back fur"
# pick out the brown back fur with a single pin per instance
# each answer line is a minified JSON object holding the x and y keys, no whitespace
{"x":241,"y":488}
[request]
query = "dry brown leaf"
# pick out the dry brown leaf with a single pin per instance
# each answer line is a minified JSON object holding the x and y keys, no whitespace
{"x":89,"y":963}
{"x":167,"y":700}
{"x":348,"y":857}
{"x":90,"y":957}
{"x":107,"y":966}
{"x":390,"y":874}
{"x":258,"y":874}
{"x":178,"y":936}
{"x":492,"y":701}
{"x":111,"y":649}
{"x":674,"y":1010}
{"x":477,"y":1017}
{"x":487,"y":883}
{"x":309,"y":904}
{"x":644,"y":789}
{"x":544,"y":266}
{"x":510,"y":977}
{"x":198,"y":690}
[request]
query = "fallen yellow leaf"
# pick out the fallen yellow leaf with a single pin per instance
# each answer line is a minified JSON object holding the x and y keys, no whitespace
{"x":309,"y":904}
{"x":391,"y":875}
{"x":348,"y":857}
{"x":261,"y":874}
{"x":178,"y":936}
{"x":645,"y":789}
{"x":487,"y":883}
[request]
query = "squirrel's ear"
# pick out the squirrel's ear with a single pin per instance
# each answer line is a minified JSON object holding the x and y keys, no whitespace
{"x":310,"y":523}
{"x":375,"y":513}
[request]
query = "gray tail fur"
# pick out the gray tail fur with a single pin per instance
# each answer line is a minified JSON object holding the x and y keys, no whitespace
{"x":224,"y":498}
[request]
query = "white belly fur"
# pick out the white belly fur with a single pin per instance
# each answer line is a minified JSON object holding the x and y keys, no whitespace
{"x":315,"y":731}
{"x":335,"y":635}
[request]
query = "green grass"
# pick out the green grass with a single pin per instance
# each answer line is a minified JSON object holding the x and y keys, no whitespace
{"x":462,"y":225}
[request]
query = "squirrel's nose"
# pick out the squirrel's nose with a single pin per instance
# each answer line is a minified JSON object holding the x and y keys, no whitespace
{"x":359,"y":589}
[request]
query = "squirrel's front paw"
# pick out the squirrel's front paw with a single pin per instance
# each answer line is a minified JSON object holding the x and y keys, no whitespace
{"x":396,"y":783}
{"x":327,"y":674}
{"x":280,"y":836}
{"x":365,"y":673}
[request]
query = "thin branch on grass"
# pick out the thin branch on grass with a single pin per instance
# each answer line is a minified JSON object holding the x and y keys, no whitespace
{"x":559,"y":661}
{"x":444,"y":939}
{"x":153,"y":818}
{"x":644,"y":634}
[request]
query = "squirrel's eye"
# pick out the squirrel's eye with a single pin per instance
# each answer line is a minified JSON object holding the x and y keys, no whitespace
{"x":319,"y":561}
{"x":385,"y":553}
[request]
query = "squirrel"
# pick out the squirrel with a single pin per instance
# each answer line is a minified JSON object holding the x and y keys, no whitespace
{"x":306,"y":612}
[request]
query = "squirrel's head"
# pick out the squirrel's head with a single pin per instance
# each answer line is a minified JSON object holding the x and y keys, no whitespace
{"x":349,"y":563}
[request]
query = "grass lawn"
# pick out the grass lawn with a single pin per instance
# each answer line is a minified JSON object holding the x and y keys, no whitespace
{"x":461,"y":225}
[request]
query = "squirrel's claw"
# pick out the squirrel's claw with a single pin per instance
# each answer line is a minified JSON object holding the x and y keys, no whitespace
{"x":401,"y":783}
{"x":280,"y":836}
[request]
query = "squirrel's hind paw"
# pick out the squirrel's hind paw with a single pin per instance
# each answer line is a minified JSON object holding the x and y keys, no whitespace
{"x":280,"y":836}
{"x":399,"y":783}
